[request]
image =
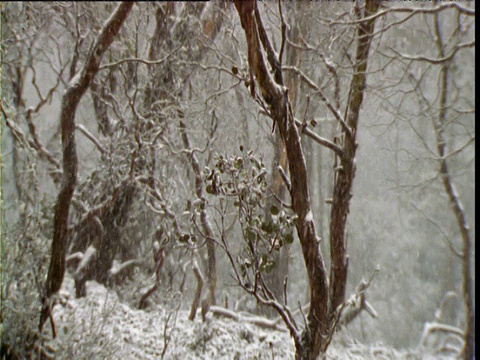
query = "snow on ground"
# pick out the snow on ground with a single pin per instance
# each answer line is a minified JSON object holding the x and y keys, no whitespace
{"x":101,"y":327}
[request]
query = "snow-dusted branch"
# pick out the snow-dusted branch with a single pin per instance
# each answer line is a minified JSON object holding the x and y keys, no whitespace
{"x":140,"y":60}
{"x":318,"y":139}
{"x":252,"y":319}
{"x":319,"y":92}
{"x":411,"y":11}
{"x":91,"y":137}
{"x":436,"y":61}
{"x":41,"y":150}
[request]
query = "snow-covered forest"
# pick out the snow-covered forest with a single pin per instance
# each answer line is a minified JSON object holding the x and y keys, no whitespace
{"x":238,"y":180}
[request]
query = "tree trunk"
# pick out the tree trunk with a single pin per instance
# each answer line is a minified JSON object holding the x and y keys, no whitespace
{"x":310,"y":345}
{"x":468,"y":352}
{"x":75,"y":90}
{"x":323,"y":303}
{"x":346,"y":173}
{"x":275,"y":280}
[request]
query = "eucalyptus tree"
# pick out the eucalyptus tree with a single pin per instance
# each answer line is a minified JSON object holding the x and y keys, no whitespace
{"x":266,"y":84}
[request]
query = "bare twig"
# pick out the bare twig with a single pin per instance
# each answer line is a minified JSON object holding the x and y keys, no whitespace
{"x":439,"y":228}
{"x":411,"y":11}
{"x":302,"y":313}
{"x":284,"y":32}
{"x":436,"y":61}
{"x":91,"y":137}
{"x":285,"y":178}
{"x":36,"y":145}
{"x":319,"y":92}
{"x":167,"y":335}
{"x":139,"y":60}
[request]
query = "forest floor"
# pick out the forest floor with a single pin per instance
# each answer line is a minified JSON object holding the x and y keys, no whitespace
{"x":100,"y":326}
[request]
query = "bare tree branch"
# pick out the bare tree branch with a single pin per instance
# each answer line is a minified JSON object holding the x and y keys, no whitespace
{"x":457,"y":208}
{"x":91,"y":137}
{"x":436,"y":61}
{"x":318,"y":139}
{"x":411,"y":11}
{"x":319,"y":92}
{"x":437,"y":226}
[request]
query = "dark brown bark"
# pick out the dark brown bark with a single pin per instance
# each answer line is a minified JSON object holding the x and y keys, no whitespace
{"x":312,"y":340}
{"x":346,"y":173}
{"x":323,"y":303}
{"x":75,"y":90}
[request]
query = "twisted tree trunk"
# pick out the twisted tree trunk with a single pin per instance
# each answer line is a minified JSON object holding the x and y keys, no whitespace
{"x":325,"y":300}
{"x":273,"y":93}
{"x":75,"y":90}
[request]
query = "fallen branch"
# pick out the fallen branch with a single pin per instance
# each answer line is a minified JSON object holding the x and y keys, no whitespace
{"x":434,"y":327}
{"x":81,"y":274}
{"x":118,"y":268}
{"x":78,"y":256}
{"x":87,"y":258}
{"x":264,"y":323}
{"x":441,"y":338}
{"x":355,"y":305}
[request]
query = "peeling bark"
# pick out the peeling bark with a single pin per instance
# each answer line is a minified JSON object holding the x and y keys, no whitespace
{"x":310,"y":344}
{"x":276,"y":278}
{"x":324,"y":300}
